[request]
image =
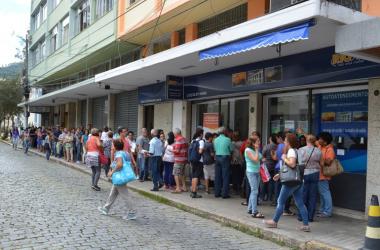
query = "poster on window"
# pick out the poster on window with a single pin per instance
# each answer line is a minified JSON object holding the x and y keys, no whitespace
{"x":210,"y":122}
{"x":345,"y":116}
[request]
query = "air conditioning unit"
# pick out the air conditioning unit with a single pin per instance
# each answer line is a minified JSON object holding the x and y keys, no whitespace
{"x":276,"y":5}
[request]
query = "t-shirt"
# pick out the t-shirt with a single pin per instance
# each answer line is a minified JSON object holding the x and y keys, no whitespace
{"x":252,"y":166}
{"x":270,"y":163}
{"x":169,"y":155}
{"x":315,"y":156}
{"x":291,"y":153}
{"x":143,"y":142}
{"x":180,"y":150}
{"x":208,"y":153}
{"x":280,"y":148}
{"x":327,"y":153}
{"x":201,"y":146}
{"x":104,"y":136}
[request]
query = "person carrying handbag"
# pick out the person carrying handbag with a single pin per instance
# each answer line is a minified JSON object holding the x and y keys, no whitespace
{"x":310,"y":156}
{"x":121,"y":163}
{"x":291,"y":184}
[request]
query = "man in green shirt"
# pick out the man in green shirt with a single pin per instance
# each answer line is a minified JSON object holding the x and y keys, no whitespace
{"x":223,"y":149}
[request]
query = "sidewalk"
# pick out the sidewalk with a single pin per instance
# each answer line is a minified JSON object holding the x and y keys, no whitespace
{"x":337,"y":232}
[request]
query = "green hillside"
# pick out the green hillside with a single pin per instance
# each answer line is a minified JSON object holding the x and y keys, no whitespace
{"x":11,"y":71}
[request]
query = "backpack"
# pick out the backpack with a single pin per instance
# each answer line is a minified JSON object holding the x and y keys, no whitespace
{"x":194,"y":155}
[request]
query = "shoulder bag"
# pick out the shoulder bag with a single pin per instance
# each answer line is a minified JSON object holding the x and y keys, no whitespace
{"x":335,"y":168}
{"x":124,"y":175}
{"x":290,"y":176}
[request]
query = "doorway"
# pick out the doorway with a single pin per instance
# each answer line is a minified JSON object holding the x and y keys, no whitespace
{"x":149,"y":117}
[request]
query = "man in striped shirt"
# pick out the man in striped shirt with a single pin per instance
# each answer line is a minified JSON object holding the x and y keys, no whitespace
{"x":180,"y":160}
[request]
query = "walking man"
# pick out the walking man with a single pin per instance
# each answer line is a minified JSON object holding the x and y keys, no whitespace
{"x":223,"y":149}
{"x":142,"y":145}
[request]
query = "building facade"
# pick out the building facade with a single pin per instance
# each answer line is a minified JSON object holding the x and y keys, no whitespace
{"x":250,"y":65}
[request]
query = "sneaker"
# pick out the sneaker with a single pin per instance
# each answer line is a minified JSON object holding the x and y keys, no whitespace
{"x":78,"y":162}
{"x":130,"y":216}
{"x":103,"y":210}
{"x":195,"y":195}
{"x":96,"y":188}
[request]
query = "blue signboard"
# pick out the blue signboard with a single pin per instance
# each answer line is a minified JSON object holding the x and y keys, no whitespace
{"x":345,"y":116}
{"x":319,"y":66}
{"x":152,"y":93}
{"x":174,"y":87}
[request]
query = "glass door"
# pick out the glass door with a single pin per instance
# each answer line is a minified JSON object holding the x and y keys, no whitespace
{"x":285,"y":113}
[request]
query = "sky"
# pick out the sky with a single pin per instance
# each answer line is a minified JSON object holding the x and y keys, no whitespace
{"x":14,"y":21}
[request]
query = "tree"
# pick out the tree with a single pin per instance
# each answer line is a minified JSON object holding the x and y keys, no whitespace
{"x":10,"y":95}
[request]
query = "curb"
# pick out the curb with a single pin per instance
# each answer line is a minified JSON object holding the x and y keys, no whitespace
{"x":255,"y":231}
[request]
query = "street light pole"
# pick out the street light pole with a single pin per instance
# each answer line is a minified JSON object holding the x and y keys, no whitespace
{"x":25,"y":80}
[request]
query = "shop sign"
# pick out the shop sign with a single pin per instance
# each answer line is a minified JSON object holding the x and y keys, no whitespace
{"x":313,"y":67}
{"x":210,"y":122}
{"x":152,"y":93}
{"x":39,"y":109}
{"x":174,"y":87}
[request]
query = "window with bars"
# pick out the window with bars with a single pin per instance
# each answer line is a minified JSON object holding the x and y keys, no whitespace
{"x":102,"y":7}
{"x":65,"y":24}
{"x":54,"y":39}
{"x":222,"y":21}
{"x":83,"y":16}
{"x":181,"y":36}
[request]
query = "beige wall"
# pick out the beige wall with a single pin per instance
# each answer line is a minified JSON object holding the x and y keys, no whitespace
{"x":373,"y":169}
{"x":71,"y":115}
{"x":89,"y":112}
{"x":182,"y":117}
{"x":111,"y":111}
{"x":163,"y":116}
{"x":78,"y":114}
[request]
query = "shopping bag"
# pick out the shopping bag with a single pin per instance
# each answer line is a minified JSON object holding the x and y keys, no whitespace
{"x":264,"y":173}
{"x":125,"y":175}
{"x":104,"y":160}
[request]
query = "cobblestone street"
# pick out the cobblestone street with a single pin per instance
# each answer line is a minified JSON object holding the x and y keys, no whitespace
{"x":46,"y":205}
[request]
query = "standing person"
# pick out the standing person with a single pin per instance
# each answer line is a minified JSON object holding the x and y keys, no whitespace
{"x":15,"y":137}
{"x":47,"y":144}
{"x":142,"y":146}
{"x":78,"y":145}
{"x":208,"y":161}
{"x":93,"y":147}
{"x":120,"y":157}
{"x":270,"y":159}
{"x":104,"y":135}
{"x":252,"y":158}
{"x":132,"y":142}
{"x":26,"y":142}
{"x":223,"y":149}
{"x":107,"y":147}
{"x":311,"y":156}
{"x":195,"y":157}
{"x":60,"y":145}
{"x":237,"y":173}
{"x":161,"y":136}
{"x":180,"y":159}
{"x":84,"y":140}
{"x":127,"y":147}
{"x":68,"y":143}
{"x":294,"y":189}
{"x":39,"y":140}
{"x":168,"y":160}
{"x":155,"y":154}
{"x":328,"y":155}
{"x":56,"y":134}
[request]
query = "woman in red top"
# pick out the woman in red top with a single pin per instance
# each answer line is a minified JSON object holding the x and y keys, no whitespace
{"x":93,"y":148}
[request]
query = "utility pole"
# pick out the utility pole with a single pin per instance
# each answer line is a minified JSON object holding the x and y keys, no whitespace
{"x":25,"y":80}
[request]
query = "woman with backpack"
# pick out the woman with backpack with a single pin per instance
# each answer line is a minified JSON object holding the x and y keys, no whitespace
{"x":208,"y":161}
{"x":195,"y":157}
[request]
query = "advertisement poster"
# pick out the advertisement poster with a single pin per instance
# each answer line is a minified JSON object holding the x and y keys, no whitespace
{"x":345,"y":116}
{"x":210,"y":122}
{"x":290,"y":125}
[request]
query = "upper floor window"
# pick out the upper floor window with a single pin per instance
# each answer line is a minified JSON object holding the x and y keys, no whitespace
{"x":37,"y":20}
{"x":43,"y":50}
{"x":102,"y":7}
{"x":133,"y":1}
{"x":38,"y":53}
{"x":55,"y":3}
{"x":83,"y":16}
{"x":43,"y":12}
{"x":65,"y":30}
{"x":54,"y":39}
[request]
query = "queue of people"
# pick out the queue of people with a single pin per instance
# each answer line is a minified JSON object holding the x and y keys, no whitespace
{"x":219,"y":160}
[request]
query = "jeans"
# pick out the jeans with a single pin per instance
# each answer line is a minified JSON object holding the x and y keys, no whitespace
{"x":78,"y":147}
{"x":54,"y":148}
{"x":155,"y":162}
{"x":222,"y":175}
{"x":325,"y":197}
{"x":277,"y":187}
{"x":168,"y":174}
{"x":95,"y":175}
{"x":48,"y":153}
{"x":143,"y":165}
{"x":285,"y":193}
{"x":310,"y":192}
{"x":26,"y":146}
{"x":254,"y":180}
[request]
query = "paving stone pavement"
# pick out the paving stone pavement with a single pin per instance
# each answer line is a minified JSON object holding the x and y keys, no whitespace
{"x":47,"y":206}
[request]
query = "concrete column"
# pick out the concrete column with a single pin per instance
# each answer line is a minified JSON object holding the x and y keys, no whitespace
{"x":78,"y":113}
{"x":191,"y":32}
{"x":111,"y":111}
{"x":371,"y":7}
{"x":182,"y":117}
{"x":174,"y":39}
{"x":163,"y":116}
{"x":257,"y":8}
{"x":255,"y":112}
{"x":71,"y":115}
{"x":62,"y":115}
{"x":140,"y":118}
{"x":89,"y":112}
{"x":373,"y":169}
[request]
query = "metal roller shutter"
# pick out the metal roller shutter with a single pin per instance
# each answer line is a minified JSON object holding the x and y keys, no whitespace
{"x":99,"y":119}
{"x":127,"y":110}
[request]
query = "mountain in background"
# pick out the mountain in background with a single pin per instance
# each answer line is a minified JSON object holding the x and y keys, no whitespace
{"x":11,"y":71}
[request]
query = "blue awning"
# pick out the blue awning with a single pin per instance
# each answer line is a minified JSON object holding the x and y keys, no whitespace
{"x":292,"y":34}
